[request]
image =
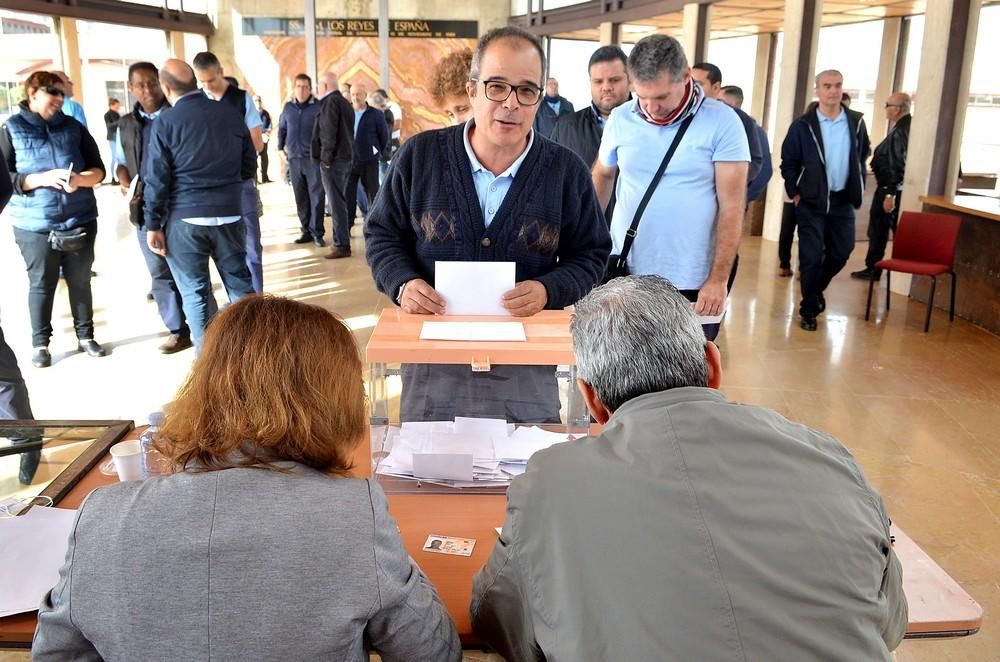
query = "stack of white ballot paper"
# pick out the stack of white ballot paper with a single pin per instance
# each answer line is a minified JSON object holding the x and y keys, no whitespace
{"x":466,"y":452}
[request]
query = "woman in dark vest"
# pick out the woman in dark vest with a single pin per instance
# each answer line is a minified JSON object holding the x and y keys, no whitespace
{"x":54,"y":164}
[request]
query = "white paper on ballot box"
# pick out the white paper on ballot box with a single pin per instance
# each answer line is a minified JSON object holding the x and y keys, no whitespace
{"x":474,"y":288}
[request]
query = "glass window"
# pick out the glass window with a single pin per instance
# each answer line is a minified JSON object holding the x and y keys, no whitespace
{"x":28,"y":43}
{"x":568,"y":65}
{"x":736,"y":58}
{"x":980,"y":140}
{"x":854,"y":50}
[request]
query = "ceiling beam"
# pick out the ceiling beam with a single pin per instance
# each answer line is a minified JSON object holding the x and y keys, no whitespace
{"x":117,"y":13}
{"x":593,"y":13}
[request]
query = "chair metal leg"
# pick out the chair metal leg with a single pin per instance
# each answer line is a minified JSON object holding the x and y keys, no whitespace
{"x":888,"y":288}
{"x":868,"y":306}
{"x":951,"y":309}
{"x":930,"y":304}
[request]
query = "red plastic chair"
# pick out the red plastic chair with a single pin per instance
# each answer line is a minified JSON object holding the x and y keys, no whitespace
{"x":924,"y":245}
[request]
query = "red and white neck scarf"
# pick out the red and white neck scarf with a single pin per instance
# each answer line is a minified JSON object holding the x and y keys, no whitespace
{"x":693,"y":96}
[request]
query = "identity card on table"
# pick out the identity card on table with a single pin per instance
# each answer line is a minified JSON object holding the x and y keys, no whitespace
{"x":448,"y":545}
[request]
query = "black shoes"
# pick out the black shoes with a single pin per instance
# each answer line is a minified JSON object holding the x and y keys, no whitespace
{"x":319,"y":242}
{"x":338,"y":253}
{"x":867,"y":274}
{"x":175,"y":343}
{"x":808,"y":322}
{"x":93,"y":348}
{"x":304,"y":239}
{"x":41,"y":358}
{"x":822,"y":303}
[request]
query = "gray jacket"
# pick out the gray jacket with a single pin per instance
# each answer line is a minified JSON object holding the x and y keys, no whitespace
{"x":693,"y":528}
{"x":241,"y":564}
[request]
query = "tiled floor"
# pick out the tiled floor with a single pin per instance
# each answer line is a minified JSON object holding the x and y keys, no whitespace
{"x":920,"y":411}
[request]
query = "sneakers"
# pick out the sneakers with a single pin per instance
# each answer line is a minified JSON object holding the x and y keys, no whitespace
{"x":867,"y":274}
{"x":338,"y":253}
{"x":41,"y":358}
{"x":319,"y":242}
{"x":92,"y":348}
{"x":807,"y":322}
{"x":176,"y":342}
{"x":304,"y":239}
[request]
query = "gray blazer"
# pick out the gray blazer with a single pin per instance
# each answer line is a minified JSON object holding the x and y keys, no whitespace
{"x":693,"y":529}
{"x":241,"y":564}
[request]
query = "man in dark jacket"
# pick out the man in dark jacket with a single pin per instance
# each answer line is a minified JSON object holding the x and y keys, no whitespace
{"x":295,"y":130}
{"x":709,"y":77}
{"x":552,"y":109}
{"x":823,"y":164}
{"x":371,"y":138}
{"x":333,"y":147}
{"x":489,"y":190}
{"x":200,"y":155}
{"x":888,"y":165}
{"x":111,"y":124}
{"x":132,"y":148}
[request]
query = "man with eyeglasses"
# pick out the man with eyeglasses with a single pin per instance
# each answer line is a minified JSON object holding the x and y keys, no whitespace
{"x":888,"y":165}
{"x":488,"y":190}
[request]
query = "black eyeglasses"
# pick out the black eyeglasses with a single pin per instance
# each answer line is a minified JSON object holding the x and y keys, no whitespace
{"x":497,"y":90}
{"x":54,"y":91}
{"x":893,"y":105}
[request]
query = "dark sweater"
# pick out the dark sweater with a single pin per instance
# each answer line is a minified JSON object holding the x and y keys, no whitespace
{"x":550,"y":222}
{"x":295,"y":127}
{"x":199,"y":154}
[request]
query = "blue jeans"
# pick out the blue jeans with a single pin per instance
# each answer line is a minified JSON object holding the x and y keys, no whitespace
{"x":165,"y":291}
{"x":251,"y":220}
{"x":189,"y":248}
{"x":310,"y":200}
{"x":825,"y":244}
{"x":114,"y":160}
{"x":335,"y":183}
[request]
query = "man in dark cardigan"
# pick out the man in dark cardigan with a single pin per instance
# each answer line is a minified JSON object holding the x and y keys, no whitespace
{"x":489,"y":190}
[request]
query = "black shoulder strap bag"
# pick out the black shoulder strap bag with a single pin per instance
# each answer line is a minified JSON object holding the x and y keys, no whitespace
{"x":618,"y":264}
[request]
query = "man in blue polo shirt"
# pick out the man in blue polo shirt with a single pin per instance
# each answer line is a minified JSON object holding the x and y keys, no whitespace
{"x":690,"y":231}
{"x":823,"y":165}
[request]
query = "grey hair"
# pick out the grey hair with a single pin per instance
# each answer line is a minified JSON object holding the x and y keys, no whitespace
{"x":506,"y":32}
{"x":637,"y":335}
{"x":653,"y":55}
{"x":828,"y":72}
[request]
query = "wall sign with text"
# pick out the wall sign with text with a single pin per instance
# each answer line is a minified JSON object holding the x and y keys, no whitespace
{"x":360,"y":27}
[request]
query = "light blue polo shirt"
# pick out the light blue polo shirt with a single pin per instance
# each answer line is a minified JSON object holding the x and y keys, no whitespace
{"x":836,"y":149}
{"x":492,"y":190}
{"x":676,"y":237}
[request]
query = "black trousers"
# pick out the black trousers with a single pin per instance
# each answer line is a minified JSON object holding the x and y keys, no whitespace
{"x":825,"y":244}
{"x":879,"y":224}
{"x":712,"y":330}
{"x":43,"y":263}
{"x":787,"y":236}
{"x":365,"y":172}
{"x":263,"y":165}
{"x":334,"y":178}
{"x":310,"y":200}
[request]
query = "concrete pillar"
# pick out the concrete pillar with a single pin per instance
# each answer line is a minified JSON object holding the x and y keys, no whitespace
{"x":885,"y":83}
{"x":175,"y":44}
{"x":798,"y":64}
{"x":942,"y":97}
{"x":696,"y":31}
{"x":69,"y":51}
{"x":309,"y":34}
{"x":763,"y":77}
{"x":383,"y":42}
{"x":610,"y":34}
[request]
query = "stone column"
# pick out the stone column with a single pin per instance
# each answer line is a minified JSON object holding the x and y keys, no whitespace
{"x":175,"y":44}
{"x":309,"y":34}
{"x":798,"y":64}
{"x":763,"y":77}
{"x":886,"y":83}
{"x":610,"y":34}
{"x":69,"y":51}
{"x":696,"y":32}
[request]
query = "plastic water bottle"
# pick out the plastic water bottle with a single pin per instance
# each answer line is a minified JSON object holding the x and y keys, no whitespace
{"x":152,"y":462}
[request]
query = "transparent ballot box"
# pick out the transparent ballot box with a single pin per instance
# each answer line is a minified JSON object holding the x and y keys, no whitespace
{"x":461,"y":403}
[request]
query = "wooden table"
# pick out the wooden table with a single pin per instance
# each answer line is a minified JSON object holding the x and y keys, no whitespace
{"x":939,"y":607}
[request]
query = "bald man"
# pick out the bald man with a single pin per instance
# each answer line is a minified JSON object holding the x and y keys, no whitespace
{"x":888,"y":165}
{"x":200,"y":155}
{"x":327,"y":83}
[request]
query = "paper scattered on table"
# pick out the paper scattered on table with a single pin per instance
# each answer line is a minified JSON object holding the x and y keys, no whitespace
{"x":711,"y":319}
{"x":448,"y":545}
{"x":474,"y":288}
{"x":447,"y":466}
{"x":474,"y":331}
{"x":33,"y":547}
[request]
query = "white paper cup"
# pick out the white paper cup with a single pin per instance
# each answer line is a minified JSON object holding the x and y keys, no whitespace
{"x":128,"y":459}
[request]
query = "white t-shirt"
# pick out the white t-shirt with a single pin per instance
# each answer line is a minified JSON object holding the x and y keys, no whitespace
{"x":676,"y":237}
{"x":397,"y":115}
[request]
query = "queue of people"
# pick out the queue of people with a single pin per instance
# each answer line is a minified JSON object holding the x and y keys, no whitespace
{"x":705,"y":567}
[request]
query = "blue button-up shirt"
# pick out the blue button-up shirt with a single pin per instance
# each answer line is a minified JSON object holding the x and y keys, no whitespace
{"x":357,"y":119}
{"x":491,"y":189}
{"x":836,"y":149}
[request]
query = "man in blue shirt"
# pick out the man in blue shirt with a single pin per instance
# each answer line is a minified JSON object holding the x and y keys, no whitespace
{"x":823,"y":164}
{"x":553,"y":108}
{"x":132,"y":147}
{"x":213,"y":81}
{"x":690,"y":232}
{"x":70,"y":107}
{"x":295,"y":129}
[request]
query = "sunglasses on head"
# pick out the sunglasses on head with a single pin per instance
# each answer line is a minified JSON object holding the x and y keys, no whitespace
{"x":54,"y":91}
